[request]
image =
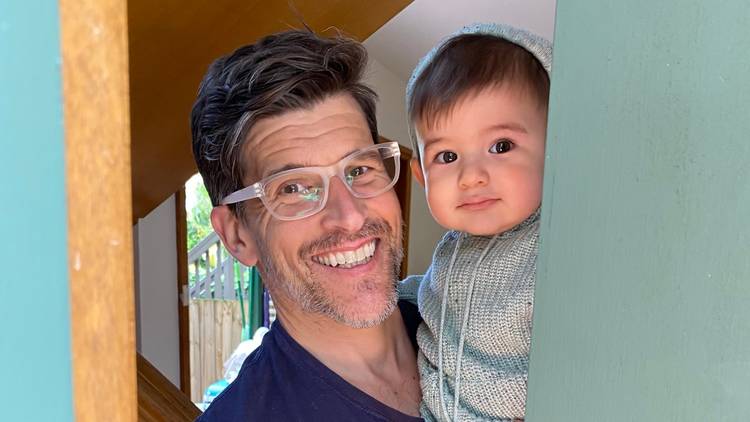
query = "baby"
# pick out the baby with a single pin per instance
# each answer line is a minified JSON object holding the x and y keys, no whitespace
{"x":478,"y":109}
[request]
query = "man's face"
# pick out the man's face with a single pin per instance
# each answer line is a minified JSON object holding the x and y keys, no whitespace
{"x":482,"y":164}
{"x":294,"y":255}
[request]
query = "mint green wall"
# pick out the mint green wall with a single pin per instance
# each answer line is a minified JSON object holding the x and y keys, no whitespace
{"x":35,"y":369}
{"x":642,"y":308}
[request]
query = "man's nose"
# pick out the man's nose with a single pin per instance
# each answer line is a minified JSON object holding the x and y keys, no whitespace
{"x":343,"y":211}
{"x":473,"y":174}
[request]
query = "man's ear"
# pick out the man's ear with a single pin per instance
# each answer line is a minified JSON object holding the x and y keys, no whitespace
{"x":416,"y":170}
{"x":236,"y":237}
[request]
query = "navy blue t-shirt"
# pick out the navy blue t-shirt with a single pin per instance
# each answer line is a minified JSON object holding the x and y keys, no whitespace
{"x":281,"y":381}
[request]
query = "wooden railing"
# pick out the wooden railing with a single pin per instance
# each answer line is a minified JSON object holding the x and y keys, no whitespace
{"x":211,"y":270}
{"x":215,"y":274}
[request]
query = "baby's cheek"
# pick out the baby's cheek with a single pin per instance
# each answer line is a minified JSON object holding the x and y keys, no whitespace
{"x":438,"y":210}
{"x":439,"y":206}
{"x":533,"y":192}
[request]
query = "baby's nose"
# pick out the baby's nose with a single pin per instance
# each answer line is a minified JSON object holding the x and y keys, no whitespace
{"x":473,"y":175}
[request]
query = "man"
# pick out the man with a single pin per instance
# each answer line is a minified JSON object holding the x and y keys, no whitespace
{"x":283,"y":135}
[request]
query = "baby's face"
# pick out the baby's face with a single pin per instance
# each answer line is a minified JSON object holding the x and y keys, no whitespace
{"x":482,"y":164}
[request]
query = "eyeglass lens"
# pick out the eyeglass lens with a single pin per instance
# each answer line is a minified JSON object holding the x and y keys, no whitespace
{"x":297,"y":193}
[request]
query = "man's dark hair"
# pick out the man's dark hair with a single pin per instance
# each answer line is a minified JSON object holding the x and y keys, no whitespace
{"x":282,"y":72}
{"x":467,"y":64}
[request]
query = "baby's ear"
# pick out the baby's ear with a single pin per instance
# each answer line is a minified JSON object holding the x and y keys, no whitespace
{"x":416,"y":170}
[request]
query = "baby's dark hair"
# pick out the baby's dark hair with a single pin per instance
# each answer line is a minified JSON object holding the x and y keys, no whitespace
{"x":467,"y":64}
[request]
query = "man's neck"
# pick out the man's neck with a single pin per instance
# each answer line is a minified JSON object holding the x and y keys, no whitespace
{"x":379,"y":360}
{"x":338,"y":345}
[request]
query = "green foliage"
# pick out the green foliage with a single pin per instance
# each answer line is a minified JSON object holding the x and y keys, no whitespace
{"x":199,"y":216}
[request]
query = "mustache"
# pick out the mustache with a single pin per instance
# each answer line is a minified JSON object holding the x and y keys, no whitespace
{"x":371,"y":228}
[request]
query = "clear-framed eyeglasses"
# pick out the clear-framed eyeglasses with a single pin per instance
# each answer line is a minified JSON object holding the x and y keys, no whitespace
{"x":302,"y":192}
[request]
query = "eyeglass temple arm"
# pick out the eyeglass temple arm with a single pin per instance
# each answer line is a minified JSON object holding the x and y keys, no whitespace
{"x":395,"y":149}
{"x":250,"y":192}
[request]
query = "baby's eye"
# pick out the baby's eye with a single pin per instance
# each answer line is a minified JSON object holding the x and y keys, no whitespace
{"x":501,"y":146}
{"x":446,"y":157}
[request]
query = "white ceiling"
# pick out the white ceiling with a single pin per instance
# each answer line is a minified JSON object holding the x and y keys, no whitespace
{"x":403,"y":40}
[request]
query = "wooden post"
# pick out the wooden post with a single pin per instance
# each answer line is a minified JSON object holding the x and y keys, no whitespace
{"x":100,"y":251}
{"x":182,"y":290}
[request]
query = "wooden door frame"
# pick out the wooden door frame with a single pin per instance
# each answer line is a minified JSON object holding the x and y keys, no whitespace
{"x":183,"y":303}
{"x":403,"y":192}
{"x":96,"y":106}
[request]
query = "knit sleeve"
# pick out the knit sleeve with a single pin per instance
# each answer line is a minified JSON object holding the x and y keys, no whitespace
{"x":408,"y":288}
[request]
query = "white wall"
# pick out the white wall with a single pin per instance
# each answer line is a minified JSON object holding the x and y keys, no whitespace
{"x":157,"y":333}
{"x":424,"y":233}
{"x":403,"y":40}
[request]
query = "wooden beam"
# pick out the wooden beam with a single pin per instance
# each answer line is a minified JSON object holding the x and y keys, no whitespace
{"x":403,"y":192}
{"x":183,"y":313}
{"x":100,"y":252}
{"x":403,"y":187}
{"x":158,"y":399}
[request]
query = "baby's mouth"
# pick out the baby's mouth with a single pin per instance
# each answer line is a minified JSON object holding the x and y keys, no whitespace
{"x":347,"y":259}
{"x":473,"y":203}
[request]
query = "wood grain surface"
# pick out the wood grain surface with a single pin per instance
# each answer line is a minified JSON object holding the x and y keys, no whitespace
{"x":100,"y":251}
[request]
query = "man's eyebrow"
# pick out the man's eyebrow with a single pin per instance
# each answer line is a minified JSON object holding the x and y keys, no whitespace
{"x":291,"y":166}
{"x":285,"y":167}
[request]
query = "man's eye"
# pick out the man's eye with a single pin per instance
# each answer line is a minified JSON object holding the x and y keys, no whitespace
{"x":446,"y":157}
{"x":296,"y":191}
{"x":358,"y":171}
{"x":501,"y":146}
{"x":292,"y":188}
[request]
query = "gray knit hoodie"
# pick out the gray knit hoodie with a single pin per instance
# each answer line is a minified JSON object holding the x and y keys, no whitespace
{"x":476,"y":300}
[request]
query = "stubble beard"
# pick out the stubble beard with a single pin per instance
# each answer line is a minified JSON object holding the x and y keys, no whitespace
{"x":298,"y":283}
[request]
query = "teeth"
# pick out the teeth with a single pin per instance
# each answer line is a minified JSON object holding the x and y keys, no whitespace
{"x":347,"y":259}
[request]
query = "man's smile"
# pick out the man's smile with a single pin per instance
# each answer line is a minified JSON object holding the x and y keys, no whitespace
{"x":349,"y":257}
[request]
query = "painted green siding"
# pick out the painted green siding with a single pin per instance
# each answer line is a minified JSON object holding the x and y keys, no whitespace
{"x":35,"y":357}
{"x":642,"y":308}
